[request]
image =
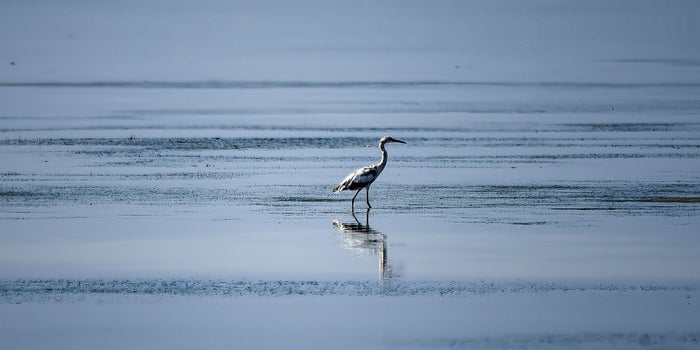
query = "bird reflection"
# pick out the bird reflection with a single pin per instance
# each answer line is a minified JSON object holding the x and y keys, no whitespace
{"x":367,"y":241}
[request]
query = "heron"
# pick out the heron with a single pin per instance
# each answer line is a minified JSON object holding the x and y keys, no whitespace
{"x":364,"y":177}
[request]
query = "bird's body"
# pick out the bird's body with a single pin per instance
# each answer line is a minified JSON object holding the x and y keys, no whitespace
{"x":364,"y":177}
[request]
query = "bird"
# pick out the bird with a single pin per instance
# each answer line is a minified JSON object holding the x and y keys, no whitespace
{"x":364,"y":177}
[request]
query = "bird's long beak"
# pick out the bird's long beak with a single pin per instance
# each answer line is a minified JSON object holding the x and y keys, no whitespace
{"x":399,"y":141}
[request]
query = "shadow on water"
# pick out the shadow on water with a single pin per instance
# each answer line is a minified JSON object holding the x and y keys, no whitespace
{"x":367,"y":241}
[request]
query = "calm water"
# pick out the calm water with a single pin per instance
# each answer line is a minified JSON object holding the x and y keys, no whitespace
{"x":166,"y":172}
{"x":233,"y":179}
{"x":545,"y":140}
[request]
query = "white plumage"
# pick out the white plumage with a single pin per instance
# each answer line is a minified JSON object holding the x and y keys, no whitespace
{"x":364,"y":177}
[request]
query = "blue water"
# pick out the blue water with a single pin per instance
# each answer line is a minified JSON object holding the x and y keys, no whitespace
{"x":189,"y":179}
{"x":548,"y":142}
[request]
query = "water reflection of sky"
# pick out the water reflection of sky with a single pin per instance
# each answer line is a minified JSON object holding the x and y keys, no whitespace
{"x":343,"y":40}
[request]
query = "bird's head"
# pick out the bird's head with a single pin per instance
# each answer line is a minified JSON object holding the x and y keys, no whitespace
{"x":387,"y":139}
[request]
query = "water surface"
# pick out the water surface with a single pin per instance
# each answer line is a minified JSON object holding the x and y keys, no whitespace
{"x":232,"y":180}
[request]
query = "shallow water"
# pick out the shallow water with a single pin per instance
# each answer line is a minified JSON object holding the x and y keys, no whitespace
{"x":166,"y":173}
{"x":232,"y":180}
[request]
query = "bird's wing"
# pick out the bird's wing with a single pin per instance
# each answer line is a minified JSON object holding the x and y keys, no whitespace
{"x":365,"y":176}
{"x":358,"y":179}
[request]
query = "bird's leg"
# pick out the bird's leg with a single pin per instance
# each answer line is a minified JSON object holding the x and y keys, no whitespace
{"x":367,"y":188}
{"x":353,"y":200}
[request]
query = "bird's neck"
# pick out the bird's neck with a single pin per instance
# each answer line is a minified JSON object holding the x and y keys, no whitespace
{"x":385,"y":157}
